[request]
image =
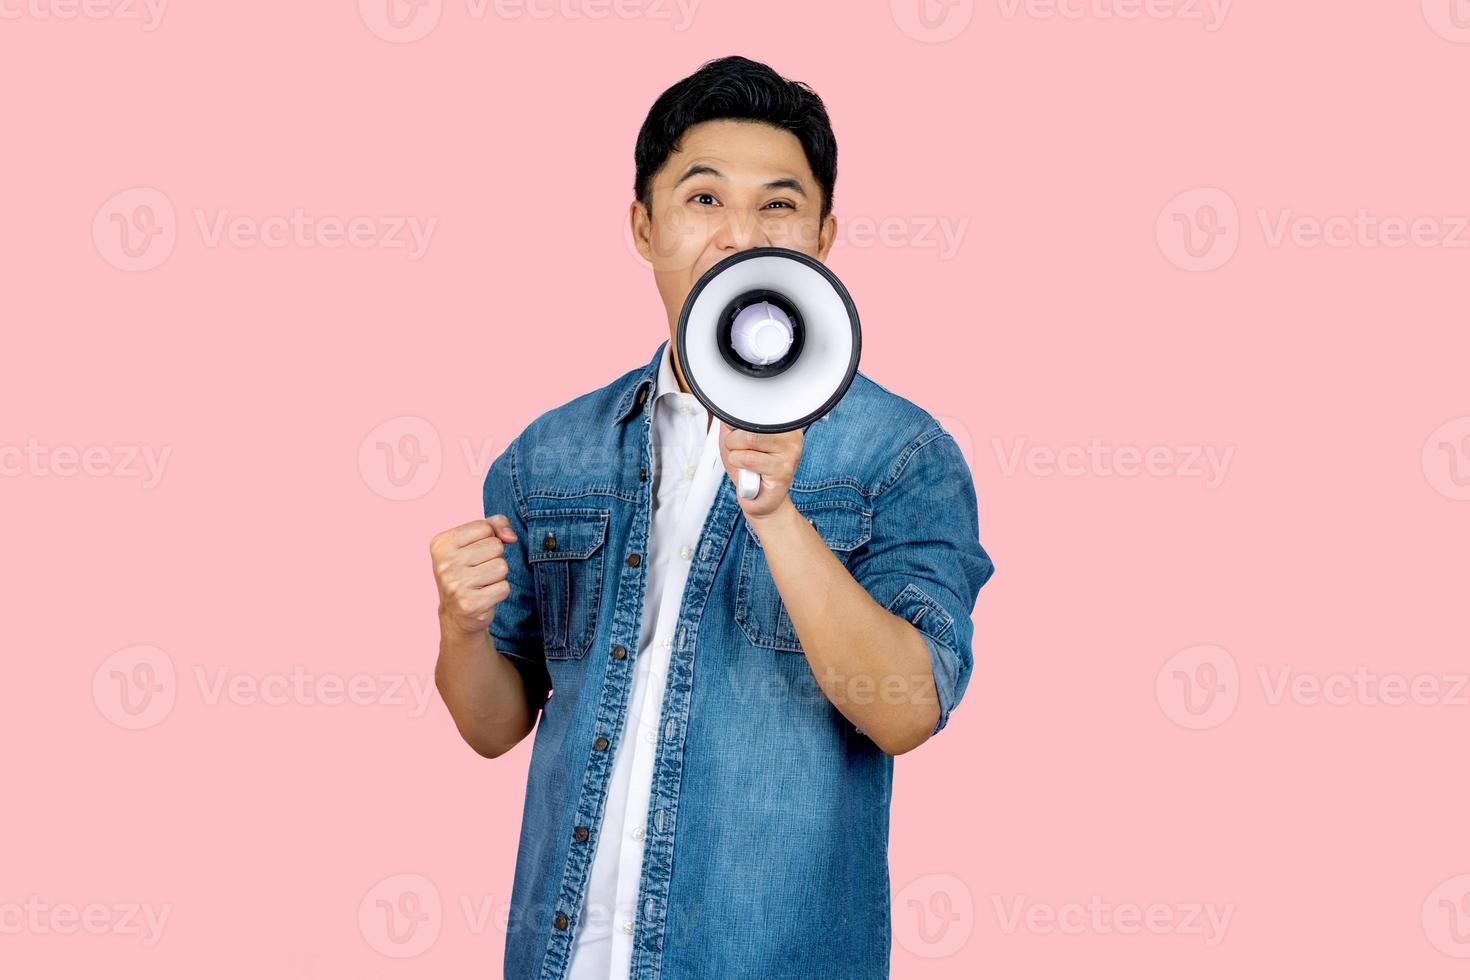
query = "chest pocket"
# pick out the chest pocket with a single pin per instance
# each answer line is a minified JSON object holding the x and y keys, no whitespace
{"x":565,"y":549}
{"x":759,"y":611}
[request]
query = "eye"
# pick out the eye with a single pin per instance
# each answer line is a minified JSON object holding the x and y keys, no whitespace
{"x":696,"y":197}
{"x":788,"y":204}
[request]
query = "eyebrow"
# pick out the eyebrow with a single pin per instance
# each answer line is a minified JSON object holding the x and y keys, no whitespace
{"x":783,"y":183}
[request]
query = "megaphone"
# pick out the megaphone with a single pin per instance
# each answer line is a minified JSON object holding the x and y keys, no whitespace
{"x":769,"y":341}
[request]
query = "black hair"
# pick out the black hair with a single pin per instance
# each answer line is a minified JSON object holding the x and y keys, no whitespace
{"x":735,"y":88}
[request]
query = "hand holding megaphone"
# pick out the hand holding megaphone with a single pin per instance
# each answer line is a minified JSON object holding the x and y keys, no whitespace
{"x":769,"y":459}
{"x":769,"y":341}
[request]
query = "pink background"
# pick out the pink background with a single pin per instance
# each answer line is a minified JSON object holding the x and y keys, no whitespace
{"x":1126,"y":739}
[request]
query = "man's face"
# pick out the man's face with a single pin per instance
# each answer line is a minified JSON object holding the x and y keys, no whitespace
{"x":732,"y":185}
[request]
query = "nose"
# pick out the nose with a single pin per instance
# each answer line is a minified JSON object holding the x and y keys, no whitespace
{"x":739,"y":231}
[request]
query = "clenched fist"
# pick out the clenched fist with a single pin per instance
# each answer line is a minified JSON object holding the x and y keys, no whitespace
{"x":470,"y":572}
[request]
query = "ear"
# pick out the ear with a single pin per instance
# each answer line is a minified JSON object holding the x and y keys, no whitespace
{"x":642,"y":230}
{"x":826,"y":237}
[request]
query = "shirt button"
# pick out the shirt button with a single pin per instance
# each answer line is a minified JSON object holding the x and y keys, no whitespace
{"x":689,"y":471}
{"x":600,"y":744}
{"x":650,"y":737}
{"x":628,"y":926}
{"x":633,"y":560}
{"x":668,"y":643}
{"x":618,"y":653}
{"x":548,"y":543}
{"x":686,"y":552}
{"x":560,"y":921}
{"x":638,"y":834}
{"x":642,"y":475}
{"x":580,"y":833}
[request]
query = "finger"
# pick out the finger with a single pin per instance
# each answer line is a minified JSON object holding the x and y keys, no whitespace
{"x":496,"y":592}
{"x":482,"y":551}
{"x":492,"y":571}
{"x":741,"y":438}
{"x":468,"y":534}
{"x":770,"y":442}
{"x":766,"y":464}
{"x":734,"y":438}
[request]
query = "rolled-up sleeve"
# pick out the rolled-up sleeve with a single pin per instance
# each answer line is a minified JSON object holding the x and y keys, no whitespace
{"x":924,"y":561}
{"x":516,"y":629}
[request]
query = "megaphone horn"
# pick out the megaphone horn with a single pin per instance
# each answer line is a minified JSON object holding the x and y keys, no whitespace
{"x":769,"y":341}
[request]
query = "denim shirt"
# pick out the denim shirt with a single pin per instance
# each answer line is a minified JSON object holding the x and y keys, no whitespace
{"x":766,"y":854}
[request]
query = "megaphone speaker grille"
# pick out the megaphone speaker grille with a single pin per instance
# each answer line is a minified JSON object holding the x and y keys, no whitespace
{"x":760,"y":333}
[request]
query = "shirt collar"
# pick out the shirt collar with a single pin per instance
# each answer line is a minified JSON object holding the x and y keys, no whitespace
{"x":668,"y":383}
{"x":637,"y":390}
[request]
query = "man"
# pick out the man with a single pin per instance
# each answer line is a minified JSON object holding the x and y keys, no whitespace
{"x":721,"y":683}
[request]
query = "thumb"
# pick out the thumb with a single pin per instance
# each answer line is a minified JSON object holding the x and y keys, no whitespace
{"x":501,"y":524}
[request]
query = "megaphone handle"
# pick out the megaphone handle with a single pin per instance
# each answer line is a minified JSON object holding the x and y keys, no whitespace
{"x":749,"y":484}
